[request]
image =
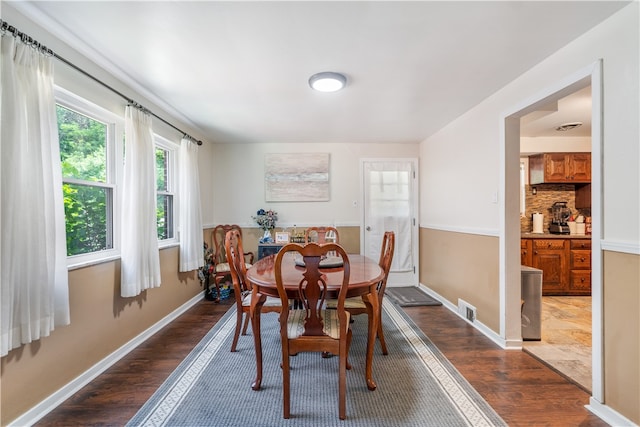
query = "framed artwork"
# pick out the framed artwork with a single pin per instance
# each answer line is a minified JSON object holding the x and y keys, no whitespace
{"x":282,"y":237}
{"x":296,"y":177}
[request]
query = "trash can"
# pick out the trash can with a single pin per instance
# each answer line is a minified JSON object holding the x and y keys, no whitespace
{"x":531,"y":291}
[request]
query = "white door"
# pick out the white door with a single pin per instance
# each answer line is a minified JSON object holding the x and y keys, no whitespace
{"x":390,"y":204}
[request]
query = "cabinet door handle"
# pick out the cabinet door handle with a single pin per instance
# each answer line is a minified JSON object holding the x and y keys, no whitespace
{"x":535,"y":252}
{"x":582,"y":259}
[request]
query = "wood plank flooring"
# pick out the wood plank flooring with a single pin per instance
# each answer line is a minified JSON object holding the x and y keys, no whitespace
{"x":520,"y":388}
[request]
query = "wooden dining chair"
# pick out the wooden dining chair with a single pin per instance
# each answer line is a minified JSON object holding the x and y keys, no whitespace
{"x":313,"y":328}
{"x":241,"y":286}
{"x":221,"y":269}
{"x":356,"y":305}
{"x":321,"y":235}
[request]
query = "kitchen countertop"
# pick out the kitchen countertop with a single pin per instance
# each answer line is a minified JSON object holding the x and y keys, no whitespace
{"x":554,"y":236}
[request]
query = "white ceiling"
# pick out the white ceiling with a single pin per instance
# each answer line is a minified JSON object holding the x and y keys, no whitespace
{"x":237,"y":71}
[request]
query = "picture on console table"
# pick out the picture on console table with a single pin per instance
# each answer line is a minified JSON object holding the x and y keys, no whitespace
{"x":296,"y":177}
{"x":282,"y":237}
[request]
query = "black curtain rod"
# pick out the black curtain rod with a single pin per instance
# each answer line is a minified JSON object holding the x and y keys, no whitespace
{"x":6,"y":28}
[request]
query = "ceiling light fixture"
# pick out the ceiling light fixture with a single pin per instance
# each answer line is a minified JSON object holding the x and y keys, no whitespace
{"x":568,"y":126}
{"x":327,"y":81}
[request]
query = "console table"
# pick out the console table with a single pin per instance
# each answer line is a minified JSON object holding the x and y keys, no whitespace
{"x":266,"y":249}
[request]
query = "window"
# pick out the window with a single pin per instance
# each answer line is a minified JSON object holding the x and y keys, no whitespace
{"x":92,"y":158}
{"x":87,"y":137}
{"x":165,"y":180}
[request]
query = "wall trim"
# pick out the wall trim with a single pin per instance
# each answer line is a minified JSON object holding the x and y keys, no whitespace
{"x":623,"y":247}
{"x":607,"y":414}
{"x":36,"y":413}
{"x":287,"y":225}
{"x":492,"y":232}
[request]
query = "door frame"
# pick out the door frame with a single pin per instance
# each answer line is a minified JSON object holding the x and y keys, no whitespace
{"x":416,"y":210}
{"x":509,"y":231}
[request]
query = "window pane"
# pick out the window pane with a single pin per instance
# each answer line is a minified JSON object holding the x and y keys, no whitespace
{"x":87,"y":213}
{"x":83,"y":144}
{"x":162,"y":157}
{"x":165,"y":216}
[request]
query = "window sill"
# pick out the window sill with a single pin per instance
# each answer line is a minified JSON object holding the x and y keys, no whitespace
{"x":111,"y":257}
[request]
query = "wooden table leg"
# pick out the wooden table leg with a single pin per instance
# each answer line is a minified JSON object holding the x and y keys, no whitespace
{"x":373,"y":303}
{"x":257,"y":301}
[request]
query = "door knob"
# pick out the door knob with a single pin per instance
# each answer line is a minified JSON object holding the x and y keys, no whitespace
{"x":368,"y":228}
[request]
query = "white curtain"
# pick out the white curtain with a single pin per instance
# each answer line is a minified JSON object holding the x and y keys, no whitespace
{"x":389,"y":209}
{"x":33,"y":271}
{"x":191,"y":240}
{"x":140,"y":258}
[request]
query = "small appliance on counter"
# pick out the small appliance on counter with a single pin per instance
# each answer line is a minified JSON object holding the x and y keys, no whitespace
{"x":560,"y":214}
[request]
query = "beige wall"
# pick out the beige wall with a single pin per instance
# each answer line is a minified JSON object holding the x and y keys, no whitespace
{"x":101,"y":323}
{"x":622,"y":333}
{"x":460,"y":265}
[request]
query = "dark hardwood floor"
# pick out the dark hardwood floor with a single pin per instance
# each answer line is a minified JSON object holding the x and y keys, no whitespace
{"x":521,"y":389}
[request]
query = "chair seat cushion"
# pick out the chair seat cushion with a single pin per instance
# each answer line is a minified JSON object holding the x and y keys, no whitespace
{"x":270,"y":302}
{"x":331,"y":323}
{"x":223,"y":267}
{"x":355,"y":302}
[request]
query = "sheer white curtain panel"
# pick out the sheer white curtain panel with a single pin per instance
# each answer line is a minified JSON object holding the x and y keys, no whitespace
{"x":140,"y":256}
{"x":34,"y":282}
{"x":191,"y":239}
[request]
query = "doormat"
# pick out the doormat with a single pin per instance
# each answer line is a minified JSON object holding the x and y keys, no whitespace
{"x":410,"y":296}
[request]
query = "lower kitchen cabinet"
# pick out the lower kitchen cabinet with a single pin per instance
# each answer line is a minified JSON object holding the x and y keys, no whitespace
{"x":580,"y":276}
{"x":565,"y":264}
{"x":525,"y":252}
{"x":550,"y":256}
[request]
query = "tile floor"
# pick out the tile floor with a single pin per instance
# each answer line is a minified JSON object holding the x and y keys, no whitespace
{"x":566,"y":338}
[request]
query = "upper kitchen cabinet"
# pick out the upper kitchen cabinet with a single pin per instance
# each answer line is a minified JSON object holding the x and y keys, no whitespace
{"x":572,"y":168}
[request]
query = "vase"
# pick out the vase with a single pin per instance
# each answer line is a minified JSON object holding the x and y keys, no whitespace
{"x":266,"y":237}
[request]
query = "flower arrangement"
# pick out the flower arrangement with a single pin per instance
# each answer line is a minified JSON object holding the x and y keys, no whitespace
{"x":266,"y":219}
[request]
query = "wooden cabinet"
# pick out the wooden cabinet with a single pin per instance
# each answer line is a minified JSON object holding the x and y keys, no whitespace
{"x":266,"y":249}
{"x":550,"y":256}
{"x":525,"y":252}
{"x":580,"y":264}
{"x":583,"y":196}
{"x":565,"y":264}
{"x":573,"y":168}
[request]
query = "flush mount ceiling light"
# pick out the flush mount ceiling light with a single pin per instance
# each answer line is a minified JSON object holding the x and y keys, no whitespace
{"x":568,"y":126}
{"x":327,"y":81}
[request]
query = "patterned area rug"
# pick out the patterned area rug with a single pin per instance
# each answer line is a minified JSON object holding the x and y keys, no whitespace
{"x":417,"y":386}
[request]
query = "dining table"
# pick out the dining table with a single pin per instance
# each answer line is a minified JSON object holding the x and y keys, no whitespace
{"x":365,"y":274}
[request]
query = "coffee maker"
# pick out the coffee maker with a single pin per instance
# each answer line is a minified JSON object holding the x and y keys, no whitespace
{"x":560,"y":215}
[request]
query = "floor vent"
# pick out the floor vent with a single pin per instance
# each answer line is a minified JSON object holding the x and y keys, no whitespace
{"x":466,"y":310}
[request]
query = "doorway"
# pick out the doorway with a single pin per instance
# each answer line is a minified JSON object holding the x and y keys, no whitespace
{"x":390,"y":203}
{"x":509,"y":218}
{"x":565,"y":342}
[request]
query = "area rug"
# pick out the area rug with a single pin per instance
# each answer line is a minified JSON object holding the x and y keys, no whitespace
{"x":410,"y":296}
{"x":417,"y":385}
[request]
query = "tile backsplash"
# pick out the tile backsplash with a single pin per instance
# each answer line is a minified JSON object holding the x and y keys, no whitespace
{"x":546,"y":195}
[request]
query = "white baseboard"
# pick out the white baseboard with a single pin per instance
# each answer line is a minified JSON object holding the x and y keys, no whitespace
{"x":36,"y":413}
{"x":486,"y":331}
{"x":608,"y":415}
